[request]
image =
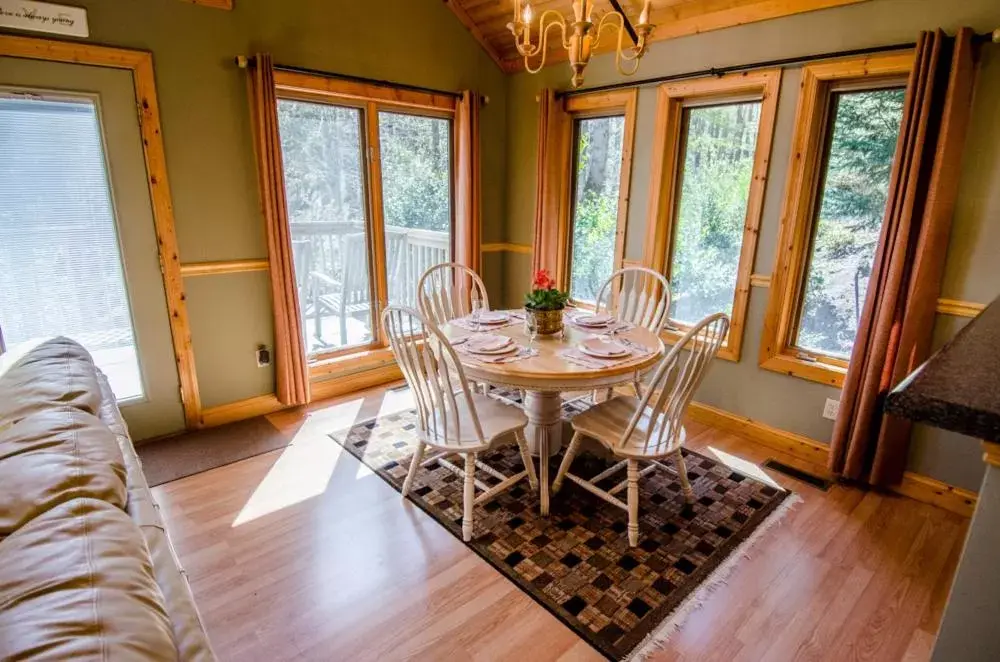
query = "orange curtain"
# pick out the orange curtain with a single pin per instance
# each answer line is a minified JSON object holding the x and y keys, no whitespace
{"x":551,"y":173}
{"x":468,"y":191}
{"x":291,"y":368}
{"x":894,"y":333}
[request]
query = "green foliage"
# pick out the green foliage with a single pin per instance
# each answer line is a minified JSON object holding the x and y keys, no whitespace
{"x":547,"y":299}
{"x":851,"y":212}
{"x":324,"y":178}
{"x":595,"y":212}
{"x":718,"y":164}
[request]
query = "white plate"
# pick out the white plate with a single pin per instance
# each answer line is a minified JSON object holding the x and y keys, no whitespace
{"x":494,"y":352}
{"x":488,"y":343}
{"x":489,"y":318}
{"x":603,"y":349}
{"x":594,"y":320}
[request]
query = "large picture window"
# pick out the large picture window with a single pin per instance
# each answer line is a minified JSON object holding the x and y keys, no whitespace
{"x":712,"y":148}
{"x":847,"y":128}
{"x":369,"y":188}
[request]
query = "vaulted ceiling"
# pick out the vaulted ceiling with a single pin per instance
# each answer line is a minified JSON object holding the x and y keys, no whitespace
{"x":487,"y":20}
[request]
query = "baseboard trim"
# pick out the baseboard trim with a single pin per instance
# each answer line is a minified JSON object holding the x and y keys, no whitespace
{"x":796,"y":445}
{"x":358,"y":381}
{"x":262,"y":405}
{"x":915,"y":486}
{"x":241,"y":410}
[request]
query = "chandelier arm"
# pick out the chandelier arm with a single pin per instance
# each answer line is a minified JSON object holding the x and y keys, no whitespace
{"x":543,"y":42}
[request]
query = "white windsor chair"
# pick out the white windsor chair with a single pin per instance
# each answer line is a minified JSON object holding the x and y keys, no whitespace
{"x":445,"y":292}
{"x":647,"y":429}
{"x":451,"y":418}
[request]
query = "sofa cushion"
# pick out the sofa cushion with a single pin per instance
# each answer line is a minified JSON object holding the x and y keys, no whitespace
{"x":48,"y":373}
{"x":76,"y":582}
{"x":55,"y":455}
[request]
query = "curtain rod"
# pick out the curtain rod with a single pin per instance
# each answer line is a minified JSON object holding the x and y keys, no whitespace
{"x":719,"y":71}
{"x":242,"y":61}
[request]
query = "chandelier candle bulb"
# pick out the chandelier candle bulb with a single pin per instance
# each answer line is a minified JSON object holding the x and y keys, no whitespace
{"x":644,"y":16}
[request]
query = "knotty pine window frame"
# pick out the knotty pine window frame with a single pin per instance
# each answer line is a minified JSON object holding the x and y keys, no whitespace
{"x":669,"y":140}
{"x":371,"y":99}
{"x":799,"y":214}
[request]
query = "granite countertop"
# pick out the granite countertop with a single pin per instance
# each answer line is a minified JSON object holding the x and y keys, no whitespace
{"x":958,"y":388}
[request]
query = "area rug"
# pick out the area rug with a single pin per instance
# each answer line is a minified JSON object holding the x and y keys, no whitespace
{"x":623,"y":601}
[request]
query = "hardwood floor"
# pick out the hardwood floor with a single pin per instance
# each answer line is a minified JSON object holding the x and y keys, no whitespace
{"x":304,"y":554}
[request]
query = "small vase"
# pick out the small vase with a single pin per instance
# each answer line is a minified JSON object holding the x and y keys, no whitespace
{"x":546,"y":322}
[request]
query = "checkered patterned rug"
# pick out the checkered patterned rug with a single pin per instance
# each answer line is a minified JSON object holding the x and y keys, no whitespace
{"x":577,"y":562}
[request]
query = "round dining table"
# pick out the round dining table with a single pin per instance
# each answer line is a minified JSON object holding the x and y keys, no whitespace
{"x":545,"y":377}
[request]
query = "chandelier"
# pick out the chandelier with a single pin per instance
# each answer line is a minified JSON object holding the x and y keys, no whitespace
{"x":580,"y":35}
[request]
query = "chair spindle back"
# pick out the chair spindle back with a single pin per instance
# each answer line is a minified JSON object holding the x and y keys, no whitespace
{"x":637,"y":295}
{"x":445,"y":292}
{"x":674,"y":383}
{"x":434,"y":375}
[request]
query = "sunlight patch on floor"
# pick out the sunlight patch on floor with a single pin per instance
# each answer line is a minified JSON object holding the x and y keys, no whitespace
{"x":741,"y":465}
{"x":304,"y":469}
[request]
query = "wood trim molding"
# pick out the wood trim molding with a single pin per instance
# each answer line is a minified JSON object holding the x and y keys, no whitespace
{"x":456,"y":7}
{"x":510,"y":248}
{"x":358,"y":381}
{"x":262,"y":405}
{"x":241,"y":410}
{"x":760,"y":280}
{"x":815,"y":453}
{"x":776,"y":352}
{"x":294,"y":84}
{"x":223,"y":267}
{"x":959,"y":308}
{"x":668,"y":167}
{"x":991,"y":453}
{"x":140,"y":63}
{"x":215,"y":4}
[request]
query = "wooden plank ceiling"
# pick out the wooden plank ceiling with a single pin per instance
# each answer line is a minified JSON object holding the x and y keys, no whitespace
{"x":487,"y":20}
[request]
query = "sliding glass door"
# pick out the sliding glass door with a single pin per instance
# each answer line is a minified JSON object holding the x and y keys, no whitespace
{"x":369,"y":194}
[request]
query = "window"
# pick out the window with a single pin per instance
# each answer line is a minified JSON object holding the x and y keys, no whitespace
{"x":603,"y":126}
{"x":849,"y":117}
{"x":848,"y":219}
{"x":713,"y":142}
{"x":60,"y":259}
{"x":369,"y":188}
{"x":597,"y":168}
{"x":417,"y":196}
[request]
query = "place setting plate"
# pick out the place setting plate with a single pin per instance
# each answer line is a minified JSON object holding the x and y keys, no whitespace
{"x":489,"y":344}
{"x":600,"y":348}
{"x":593,"y":320}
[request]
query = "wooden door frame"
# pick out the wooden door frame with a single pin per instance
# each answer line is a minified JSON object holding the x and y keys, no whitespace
{"x":140,"y":64}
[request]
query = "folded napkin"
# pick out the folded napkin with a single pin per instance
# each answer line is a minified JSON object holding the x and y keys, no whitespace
{"x":519,"y":354}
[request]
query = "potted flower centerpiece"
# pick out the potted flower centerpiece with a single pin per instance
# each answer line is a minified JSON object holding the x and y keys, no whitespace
{"x":544,"y":304}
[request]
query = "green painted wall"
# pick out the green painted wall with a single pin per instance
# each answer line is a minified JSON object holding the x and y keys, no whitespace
{"x":972,"y":272}
{"x":207,"y":135}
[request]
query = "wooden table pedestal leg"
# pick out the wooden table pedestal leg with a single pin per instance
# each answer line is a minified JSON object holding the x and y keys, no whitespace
{"x":544,"y":432}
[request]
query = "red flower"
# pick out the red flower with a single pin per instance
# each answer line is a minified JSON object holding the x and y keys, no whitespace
{"x":543,"y":281}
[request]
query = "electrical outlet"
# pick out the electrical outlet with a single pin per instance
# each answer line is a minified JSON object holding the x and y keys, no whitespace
{"x":831,"y":408}
{"x":263,"y":356}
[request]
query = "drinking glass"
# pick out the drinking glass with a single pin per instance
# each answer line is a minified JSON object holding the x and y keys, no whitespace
{"x":477,"y":312}
{"x":530,"y":326}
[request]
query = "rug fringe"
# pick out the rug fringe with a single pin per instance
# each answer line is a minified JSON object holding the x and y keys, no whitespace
{"x":657,"y":639}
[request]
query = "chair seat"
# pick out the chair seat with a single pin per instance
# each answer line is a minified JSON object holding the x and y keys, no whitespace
{"x":495,"y":417}
{"x":607,"y":421}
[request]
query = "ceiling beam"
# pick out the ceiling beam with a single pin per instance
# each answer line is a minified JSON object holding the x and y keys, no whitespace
{"x":457,"y":9}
